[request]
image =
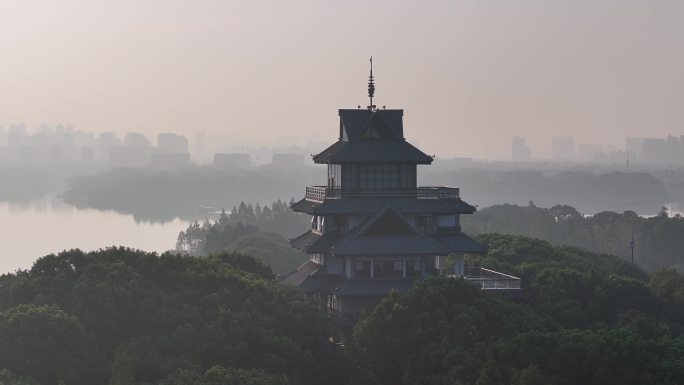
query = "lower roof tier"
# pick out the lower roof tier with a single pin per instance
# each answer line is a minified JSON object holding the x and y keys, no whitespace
{"x":344,"y":245}
{"x":357,"y":206}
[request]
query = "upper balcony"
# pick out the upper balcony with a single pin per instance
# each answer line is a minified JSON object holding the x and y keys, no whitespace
{"x":321,"y":193}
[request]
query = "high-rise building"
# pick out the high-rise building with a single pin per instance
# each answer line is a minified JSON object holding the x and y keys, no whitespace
{"x":520,"y":152}
{"x":169,"y":143}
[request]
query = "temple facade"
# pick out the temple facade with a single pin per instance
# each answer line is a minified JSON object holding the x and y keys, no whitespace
{"x":373,"y":229}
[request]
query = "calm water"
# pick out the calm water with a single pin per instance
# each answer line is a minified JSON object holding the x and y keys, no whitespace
{"x":31,"y":230}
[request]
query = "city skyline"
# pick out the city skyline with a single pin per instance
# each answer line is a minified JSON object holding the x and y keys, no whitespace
{"x":596,"y":70}
{"x":203,"y":146}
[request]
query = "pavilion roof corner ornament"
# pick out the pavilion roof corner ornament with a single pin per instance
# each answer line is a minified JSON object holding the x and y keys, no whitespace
{"x":371,"y":86}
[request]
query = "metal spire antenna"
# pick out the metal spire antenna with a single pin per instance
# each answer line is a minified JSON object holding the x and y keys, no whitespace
{"x":631,"y":245}
{"x":371,"y":86}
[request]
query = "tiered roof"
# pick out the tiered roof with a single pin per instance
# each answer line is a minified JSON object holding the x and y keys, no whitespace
{"x":372,"y":136}
{"x":386,"y":233}
{"x":407,"y":205}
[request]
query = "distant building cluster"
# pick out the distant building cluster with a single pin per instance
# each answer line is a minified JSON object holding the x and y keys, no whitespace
{"x":668,"y":150}
{"x":63,"y":144}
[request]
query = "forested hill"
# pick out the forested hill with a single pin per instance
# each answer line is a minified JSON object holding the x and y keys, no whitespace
{"x":121,"y":317}
{"x":585,"y":318}
{"x":658,"y":239}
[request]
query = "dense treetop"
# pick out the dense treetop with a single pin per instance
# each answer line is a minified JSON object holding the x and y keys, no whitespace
{"x":123,"y":316}
{"x":584,"y":319}
{"x":658,"y":239}
{"x":119,"y":316}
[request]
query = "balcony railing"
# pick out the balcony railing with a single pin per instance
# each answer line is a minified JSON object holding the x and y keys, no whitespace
{"x":492,"y":280}
{"x":485,"y":278}
{"x":320,"y":193}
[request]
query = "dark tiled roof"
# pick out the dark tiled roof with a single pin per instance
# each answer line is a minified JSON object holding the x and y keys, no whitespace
{"x":388,"y":218}
{"x":322,"y":282}
{"x":372,"y":205}
{"x":354,"y":122}
{"x":372,"y":150}
{"x":461,"y":243}
{"x":311,"y":242}
{"x":400,"y":238}
{"x":298,"y":276}
{"x":374,"y":286}
{"x":386,"y":232}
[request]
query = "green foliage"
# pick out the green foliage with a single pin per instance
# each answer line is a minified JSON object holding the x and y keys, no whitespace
{"x":46,"y":344}
{"x":584,"y":318}
{"x":245,"y":219}
{"x":658,"y":241}
{"x":531,"y":375}
{"x":272,"y":249}
{"x":238,"y":231}
{"x":218,"y":375}
{"x":9,"y":378}
{"x":128,"y":317}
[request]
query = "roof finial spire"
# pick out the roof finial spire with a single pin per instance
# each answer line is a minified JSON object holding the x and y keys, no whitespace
{"x":371,"y":86}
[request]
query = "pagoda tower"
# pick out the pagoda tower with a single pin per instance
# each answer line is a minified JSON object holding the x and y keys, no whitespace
{"x":373,"y":229}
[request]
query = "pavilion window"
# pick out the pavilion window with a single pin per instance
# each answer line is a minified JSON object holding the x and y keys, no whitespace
{"x":388,"y":269}
{"x":336,"y":224}
{"x":362,"y":269}
{"x":383,"y":176}
{"x":414,"y":268}
{"x":350,"y":177}
{"x":425,"y":223}
{"x":408,"y":176}
{"x":334,"y":175}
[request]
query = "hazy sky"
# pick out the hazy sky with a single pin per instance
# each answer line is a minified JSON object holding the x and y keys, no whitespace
{"x":469,"y":74}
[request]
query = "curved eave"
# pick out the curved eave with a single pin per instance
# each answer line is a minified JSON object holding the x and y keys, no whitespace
{"x":313,"y":243}
{"x":461,"y":243}
{"x":373,"y":205}
{"x":372,"y":150}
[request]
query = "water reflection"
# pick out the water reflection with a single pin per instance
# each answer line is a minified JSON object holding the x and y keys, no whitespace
{"x":29,"y":230}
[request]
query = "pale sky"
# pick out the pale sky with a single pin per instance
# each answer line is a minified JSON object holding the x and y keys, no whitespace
{"x":469,"y":74}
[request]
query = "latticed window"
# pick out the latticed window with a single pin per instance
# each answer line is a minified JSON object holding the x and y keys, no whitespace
{"x":425,"y":223}
{"x":379,"y":176}
{"x":414,"y":268}
{"x":388,"y":269}
{"x":362,"y":269}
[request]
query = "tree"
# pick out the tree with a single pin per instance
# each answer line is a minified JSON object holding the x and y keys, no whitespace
{"x":44,"y":343}
{"x":531,"y":375}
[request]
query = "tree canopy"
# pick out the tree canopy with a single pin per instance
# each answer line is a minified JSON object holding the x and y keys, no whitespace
{"x":584,"y":318}
{"x":657,"y":240}
{"x":123,"y":316}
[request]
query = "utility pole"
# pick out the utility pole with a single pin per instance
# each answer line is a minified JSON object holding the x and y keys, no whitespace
{"x":631,"y":246}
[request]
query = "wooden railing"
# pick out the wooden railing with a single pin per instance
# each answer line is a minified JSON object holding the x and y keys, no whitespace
{"x":485,"y":278}
{"x":320,"y":193}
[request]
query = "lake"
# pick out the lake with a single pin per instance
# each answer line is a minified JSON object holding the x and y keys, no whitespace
{"x":31,"y":230}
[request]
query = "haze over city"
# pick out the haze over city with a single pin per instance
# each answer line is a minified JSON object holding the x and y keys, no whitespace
{"x":267,"y":73}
